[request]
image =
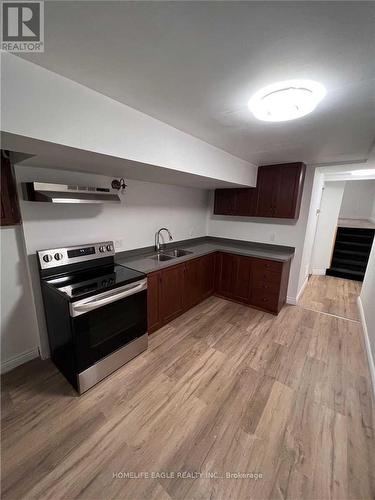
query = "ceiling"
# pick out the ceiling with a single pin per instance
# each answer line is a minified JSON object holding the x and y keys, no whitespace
{"x":194,"y":65}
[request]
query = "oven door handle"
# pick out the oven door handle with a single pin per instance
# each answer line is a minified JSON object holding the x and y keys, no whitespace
{"x":78,"y":309}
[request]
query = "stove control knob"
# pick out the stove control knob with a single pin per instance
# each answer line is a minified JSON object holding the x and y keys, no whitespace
{"x":102,"y":249}
{"x":109,"y":248}
{"x":47,"y":257}
{"x":58,"y":256}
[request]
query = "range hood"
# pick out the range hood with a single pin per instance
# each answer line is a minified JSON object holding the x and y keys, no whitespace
{"x":64,"y":193}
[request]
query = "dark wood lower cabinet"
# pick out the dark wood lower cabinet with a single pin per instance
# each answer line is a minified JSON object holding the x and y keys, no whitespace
{"x":234,"y":276}
{"x":172,"y":293}
{"x":260,"y":283}
{"x":198,"y":280}
{"x":153,"y":301}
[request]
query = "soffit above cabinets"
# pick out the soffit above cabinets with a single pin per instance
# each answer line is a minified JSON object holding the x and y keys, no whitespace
{"x":47,"y":155}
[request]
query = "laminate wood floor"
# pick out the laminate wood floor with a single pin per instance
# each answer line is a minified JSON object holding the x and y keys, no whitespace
{"x":223,"y":390}
{"x":332,"y":295}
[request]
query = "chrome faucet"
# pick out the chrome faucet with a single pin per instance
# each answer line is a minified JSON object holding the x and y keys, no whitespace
{"x":157,"y":238}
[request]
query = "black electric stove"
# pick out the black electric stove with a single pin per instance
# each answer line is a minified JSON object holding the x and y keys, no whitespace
{"x":96,"y":311}
{"x":86,"y":283}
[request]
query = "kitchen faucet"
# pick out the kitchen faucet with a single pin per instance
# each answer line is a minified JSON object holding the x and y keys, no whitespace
{"x":157,"y":238}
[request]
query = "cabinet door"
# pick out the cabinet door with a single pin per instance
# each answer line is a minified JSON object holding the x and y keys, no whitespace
{"x":207,"y":271}
{"x":192,"y":289}
{"x":171,"y":293}
{"x":243,"y":279}
{"x":246,"y":201}
{"x":10,"y":212}
{"x":280,"y":190}
{"x":228,"y":274}
{"x":153,"y":302}
{"x":289,"y":190}
{"x":267,"y":184}
{"x":225,"y":202}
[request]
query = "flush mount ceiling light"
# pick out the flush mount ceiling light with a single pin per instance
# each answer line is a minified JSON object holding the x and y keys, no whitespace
{"x":283,"y":101}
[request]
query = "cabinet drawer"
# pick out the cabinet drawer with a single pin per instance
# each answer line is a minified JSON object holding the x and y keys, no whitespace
{"x":261,"y":276}
{"x":268,"y":265}
{"x":267,"y":286}
{"x":265,"y":299}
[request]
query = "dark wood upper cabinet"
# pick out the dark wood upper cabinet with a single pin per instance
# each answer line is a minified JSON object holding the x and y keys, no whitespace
{"x":246,"y":202}
{"x":267,"y":184}
{"x":280,"y":190}
{"x":10,"y":210}
{"x":277,"y":195}
{"x":225,"y":201}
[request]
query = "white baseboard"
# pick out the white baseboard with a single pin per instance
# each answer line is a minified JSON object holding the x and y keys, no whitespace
{"x":18,"y":360}
{"x":291,"y":300}
{"x":294,"y":300}
{"x":319,"y":272}
{"x":301,"y":290}
{"x":367,"y":343}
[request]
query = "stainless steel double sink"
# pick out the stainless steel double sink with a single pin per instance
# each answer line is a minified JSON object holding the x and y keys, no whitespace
{"x":171,"y":254}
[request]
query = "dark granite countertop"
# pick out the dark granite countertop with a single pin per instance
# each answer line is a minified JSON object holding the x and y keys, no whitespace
{"x":143,"y":260}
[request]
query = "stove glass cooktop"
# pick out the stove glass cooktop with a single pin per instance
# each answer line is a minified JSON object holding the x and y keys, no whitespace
{"x":91,"y":282}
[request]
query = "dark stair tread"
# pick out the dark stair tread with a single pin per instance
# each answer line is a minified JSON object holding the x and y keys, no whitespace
{"x":354,"y":239}
{"x":354,"y":243}
{"x":356,"y":235}
{"x":337,"y":273}
{"x":352,"y":252}
{"x":339,"y":260}
{"x":356,"y":230}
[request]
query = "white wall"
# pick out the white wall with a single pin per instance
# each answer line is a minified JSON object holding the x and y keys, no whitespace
{"x":145,"y":208}
{"x":311,"y":229}
{"x":270,"y":231}
{"x":19,"y":332}
{"x":358,"y":200}
{"x":327,"y":224}
{"x":367,"y":308}
{"x":39,"y":104}
{"x":372,"y":216}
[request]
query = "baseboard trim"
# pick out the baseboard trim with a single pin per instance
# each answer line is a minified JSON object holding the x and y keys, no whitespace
{"x":302,"y":289}
{"x":319,"y":272}
{"x":18,"y":360}
{"x":367,"y":344}
{"x":294,"y":300}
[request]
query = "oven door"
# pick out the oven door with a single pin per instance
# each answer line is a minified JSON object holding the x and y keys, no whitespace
{"x":107,"y":322}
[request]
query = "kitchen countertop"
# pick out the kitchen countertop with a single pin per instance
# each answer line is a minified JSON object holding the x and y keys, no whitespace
{"x":142,"y":259}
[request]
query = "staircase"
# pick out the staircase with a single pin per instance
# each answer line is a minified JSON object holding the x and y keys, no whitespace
{"x":351,"y":253}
